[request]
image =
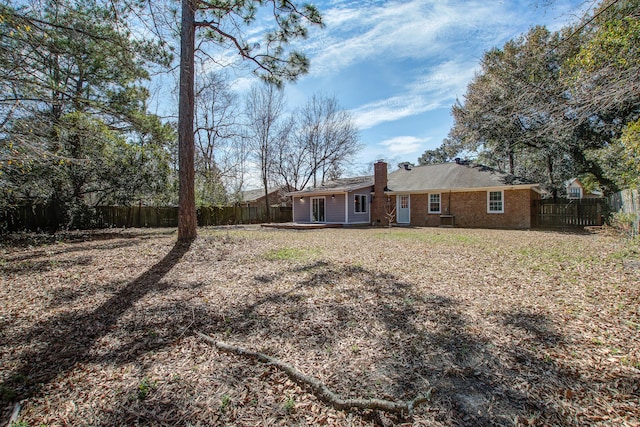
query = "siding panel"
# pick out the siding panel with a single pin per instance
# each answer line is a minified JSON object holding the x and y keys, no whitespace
{"x":301,"y":210}
{"x":359,"y":218}
{"x":335,"y":208}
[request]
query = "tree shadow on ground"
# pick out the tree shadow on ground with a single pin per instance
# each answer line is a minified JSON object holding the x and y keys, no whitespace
{"x":30,"y":240}
{"x":370,"y":333}
{"x":64,"y":340}
{"x":421,"y":343}
{"x":42,"y":265}
{"x":113,"y":241}
{"x":535,"y":324}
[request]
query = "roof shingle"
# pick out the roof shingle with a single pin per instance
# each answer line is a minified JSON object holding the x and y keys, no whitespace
{"x":339,"y":185}
{"x":450,"y":176}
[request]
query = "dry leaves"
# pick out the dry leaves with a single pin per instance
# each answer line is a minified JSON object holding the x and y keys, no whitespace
{"x":504,"y":327}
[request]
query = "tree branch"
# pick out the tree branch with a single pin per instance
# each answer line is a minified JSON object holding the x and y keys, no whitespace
{"x":40,"y":24}
{"x":321,"y":391}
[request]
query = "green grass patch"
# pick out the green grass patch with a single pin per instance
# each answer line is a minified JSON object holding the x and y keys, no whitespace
{"x":547,"y":254}
{"x":289,"y":405}
{"x":291,"y":254}
{"x":629,"y":361}
{"x":631,"y":250}
{"x":225,"y":402}
{"x":145,"y":387}
{"x":552,"y":256}
{"x":434,"y":238}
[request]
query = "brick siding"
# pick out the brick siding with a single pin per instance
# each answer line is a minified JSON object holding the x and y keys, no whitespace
{"x":379,"y":201}
{"x":470,"y":209}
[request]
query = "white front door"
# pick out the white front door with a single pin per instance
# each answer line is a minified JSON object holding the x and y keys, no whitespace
{"x":403,"y":204}
{"x":317,"y":209}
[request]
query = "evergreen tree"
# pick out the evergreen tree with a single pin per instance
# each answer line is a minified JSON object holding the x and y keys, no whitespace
{"x":73,"y":109}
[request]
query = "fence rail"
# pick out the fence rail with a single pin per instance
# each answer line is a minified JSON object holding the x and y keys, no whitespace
{"x":39,"y":217}
{"x":569,"y":213}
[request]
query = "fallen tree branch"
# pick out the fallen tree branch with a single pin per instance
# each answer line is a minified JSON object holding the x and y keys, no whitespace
{"x":319,"y":389}
{"x":15,"y":415}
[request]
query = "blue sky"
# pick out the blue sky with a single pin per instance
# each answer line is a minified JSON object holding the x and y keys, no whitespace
{"x":398,"y":66}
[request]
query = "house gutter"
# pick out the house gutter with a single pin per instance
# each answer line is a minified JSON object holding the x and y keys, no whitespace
{"x":535,"y":188}
{"x":325,"y":191}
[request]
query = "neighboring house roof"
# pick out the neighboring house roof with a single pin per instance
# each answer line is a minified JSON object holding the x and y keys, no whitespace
{"x":341,"y":185}
{"x":573,"y":180}
{"x":252,"y":195}
{"x":575,"y":183}
{"x":258,"y":193}
{"x":451,"y":176}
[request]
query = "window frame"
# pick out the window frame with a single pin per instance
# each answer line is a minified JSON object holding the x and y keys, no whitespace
{"x":405,"y":198}
{"x":575,"y":193}
{"x":489,"y":201}
{"x":364,"y":201}
{"x":439,"y":203}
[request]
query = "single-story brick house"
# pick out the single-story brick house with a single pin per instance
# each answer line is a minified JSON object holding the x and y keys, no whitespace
{"x":460,"y":194}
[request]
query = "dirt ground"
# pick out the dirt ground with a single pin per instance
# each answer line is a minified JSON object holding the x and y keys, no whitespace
{"x":494,"y":327}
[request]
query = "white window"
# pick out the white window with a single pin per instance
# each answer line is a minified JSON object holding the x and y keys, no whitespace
{"x":575,"y":192}
{"x":434,"y":203}
{"x":360,"y":203}
{"x":404,"y":202}
{"x":495,"y":201}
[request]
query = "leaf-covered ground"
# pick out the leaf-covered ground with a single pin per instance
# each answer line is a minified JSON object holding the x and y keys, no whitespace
{"x":496,"y":327}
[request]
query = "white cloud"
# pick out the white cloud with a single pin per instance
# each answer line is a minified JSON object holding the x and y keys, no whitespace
{"x":391,"y":109}
{"x":446,"y":79}
{"x":436,"y":88}
{"x":415,"y":29}
{"x":243,"y":84}
{"x":403,"y":145}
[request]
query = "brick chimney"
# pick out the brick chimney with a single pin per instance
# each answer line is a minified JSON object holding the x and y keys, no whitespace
{"x":379,"y":198}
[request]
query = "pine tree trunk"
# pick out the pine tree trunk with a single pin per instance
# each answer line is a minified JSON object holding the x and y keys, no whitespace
{"x":187,"y":220}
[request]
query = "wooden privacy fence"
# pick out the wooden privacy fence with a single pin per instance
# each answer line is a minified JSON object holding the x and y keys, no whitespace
{"x":136,"y":216}
{"x":568,"y":213}
{"x":242,"y":215}
{"x":34,"y":217}
{"x":40,"y":217}
{"x":627,"y":202}
{"x":147,"y":216}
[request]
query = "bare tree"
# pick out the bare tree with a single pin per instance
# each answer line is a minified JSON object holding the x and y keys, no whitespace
{"x":234,"y":178}
{"x":290,"y":165}
{"x":264,"y":109}
{"x":216,"y":129}
{"x":318,"y":144}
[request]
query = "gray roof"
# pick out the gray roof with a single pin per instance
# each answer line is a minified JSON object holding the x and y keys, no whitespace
{"x":255,"y":194}
{"x":450,"y":176}
{"x":251,"y":195}
{"x":338,"y":186}
{"x":417,"y":179}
